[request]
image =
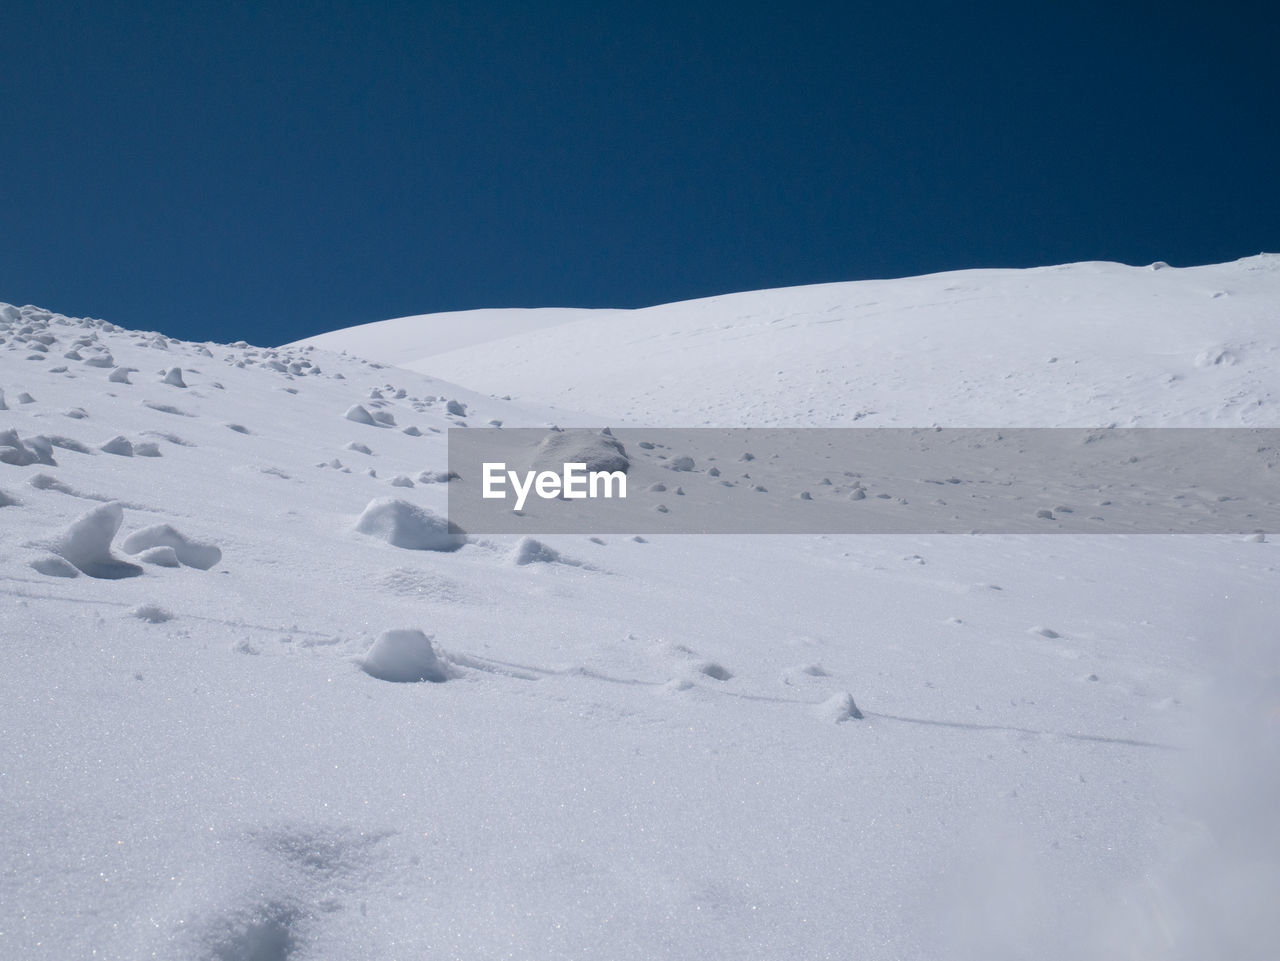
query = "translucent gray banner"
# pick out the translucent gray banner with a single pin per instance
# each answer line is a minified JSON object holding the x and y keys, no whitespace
{"x":865,"y":481}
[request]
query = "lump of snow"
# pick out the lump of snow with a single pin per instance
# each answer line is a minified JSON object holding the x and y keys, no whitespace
{"x":174,"y":377}
{"x":151,"y":613}
{"x":35,"y":450}
{"x":47,"y":482}
{"x":358,"y":447}
{"x":839,"y":708}
{"x":163,"y":556}
{"x":683,"y":463}
{"x":8,"y":500}
{"x":437,"y":477}
{"x":87,"y":544}
{"x":359,"y":414}
{"x":598,"y":450}
{"x":406,"y":525}
{"x":189,"y":552}
{"x":530,"y":551}
{"x":69,"y":443}
{"x":118,"y":445}
{"x":400,"y":480}
{"x":1048,"y":632}
{"x":25,"y":398}
{"x":100,"y":360}
{"x":455,"y":408}
{"x":404,"y":656}
{"x":384,"y":418}
{"x":42,"y":447}
{"x":412,"y":431}
{"x":52,"y":565}
{"x":1216,"y":357}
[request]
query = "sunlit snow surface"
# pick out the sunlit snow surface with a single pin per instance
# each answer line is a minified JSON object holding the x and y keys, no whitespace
{"x":628,"y":749}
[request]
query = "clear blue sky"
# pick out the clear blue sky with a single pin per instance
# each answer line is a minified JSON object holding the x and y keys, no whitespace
{"x":266,"y":171}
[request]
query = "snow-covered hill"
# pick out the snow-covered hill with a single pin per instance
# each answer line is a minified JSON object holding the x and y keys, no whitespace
{"x":673,"y":747}
{"x":1087,"y":344}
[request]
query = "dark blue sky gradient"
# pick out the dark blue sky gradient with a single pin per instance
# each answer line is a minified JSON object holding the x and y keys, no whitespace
{"x":246,"y":170}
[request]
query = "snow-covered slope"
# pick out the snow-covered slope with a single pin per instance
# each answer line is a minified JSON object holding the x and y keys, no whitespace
{"x":680,"y":747}
{"x":392,"y":341}
{"x":1086,"y":344}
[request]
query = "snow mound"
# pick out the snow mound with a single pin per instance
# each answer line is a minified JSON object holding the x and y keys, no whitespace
{"x":121,"y":446}
{"x":192,"y":553}
{"x":151,"y":613}
{"x":52,"y":565}
{"x":404,"y":655}
{"x":86,"y":544}
{"x":359,"y":414}
{"x":409,"y":526}
{"x":532,"y":551}
{"x":599,"y":450}
{"x":8,"y":500}
{"x":838,"y":708}
{"x":163,"y":556}
{"x":17,"y":453}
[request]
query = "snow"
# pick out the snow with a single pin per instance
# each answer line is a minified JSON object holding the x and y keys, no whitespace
{"x":406,"y":525}
{"x":838,"y":708}
{"x":1061,"y":746}
{"x":190,"y":552}
{"x":1079,"y":344}
{"x":86,"y":544}
{"x":404,"y":655}
{"x":596,"y":451}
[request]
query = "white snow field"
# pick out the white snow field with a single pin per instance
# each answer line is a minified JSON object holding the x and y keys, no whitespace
{"x":258,"y":703}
